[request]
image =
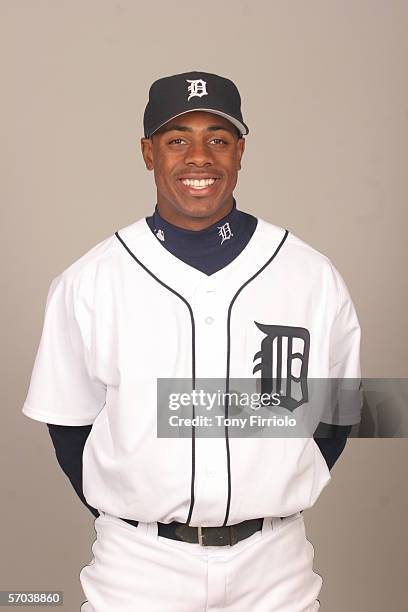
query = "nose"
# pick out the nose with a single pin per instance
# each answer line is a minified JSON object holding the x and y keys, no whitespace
{"x":198,"y":154}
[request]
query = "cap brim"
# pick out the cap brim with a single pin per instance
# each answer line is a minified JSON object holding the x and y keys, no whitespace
{"x":244,"y":130}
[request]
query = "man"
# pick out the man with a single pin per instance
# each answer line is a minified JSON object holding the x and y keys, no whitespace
{"x":197,"y":291}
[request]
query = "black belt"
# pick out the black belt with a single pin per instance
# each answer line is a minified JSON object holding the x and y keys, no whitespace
{"x":207,"y":536}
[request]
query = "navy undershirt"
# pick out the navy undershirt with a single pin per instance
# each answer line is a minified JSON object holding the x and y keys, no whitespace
{"x":210,"y":249}
{"x":207,"y":250}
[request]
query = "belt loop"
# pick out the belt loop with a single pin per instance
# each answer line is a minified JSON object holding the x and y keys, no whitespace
{"x":267,"y":525}
{"x":153,"y":530}
{"x":143,"y":528}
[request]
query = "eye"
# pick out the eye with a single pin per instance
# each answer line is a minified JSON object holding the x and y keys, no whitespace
{"x":176,"y":141}
{"x":219,"y":141}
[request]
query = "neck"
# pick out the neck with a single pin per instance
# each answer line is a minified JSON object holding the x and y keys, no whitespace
{"x":189,"y":222}
{"x":210,"y":249}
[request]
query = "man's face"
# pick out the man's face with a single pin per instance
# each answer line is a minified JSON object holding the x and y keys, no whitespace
{"x":196,"y":158}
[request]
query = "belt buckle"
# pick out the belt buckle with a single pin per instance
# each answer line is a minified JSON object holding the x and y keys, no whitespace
{"x":232,"y":536}
{"x":201,"y":536}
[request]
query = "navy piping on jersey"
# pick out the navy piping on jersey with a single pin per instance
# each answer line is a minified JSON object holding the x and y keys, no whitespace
{"x":192,"y":499}
{"x":228,"y":364}
{"x":193,"y":375}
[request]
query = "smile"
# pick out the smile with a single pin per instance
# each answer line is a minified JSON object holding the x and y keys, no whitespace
{"x":198,"y":184}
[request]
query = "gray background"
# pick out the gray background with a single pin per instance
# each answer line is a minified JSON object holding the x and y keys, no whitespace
{"x":324,"y":91}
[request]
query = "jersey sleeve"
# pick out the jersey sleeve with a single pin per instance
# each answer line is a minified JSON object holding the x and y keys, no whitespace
{"x":62,"y":390}
{"x":344,"y":361}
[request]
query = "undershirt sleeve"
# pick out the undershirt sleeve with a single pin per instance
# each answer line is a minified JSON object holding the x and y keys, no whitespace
{"x":331,"y":440}
{"x":69,"y":442}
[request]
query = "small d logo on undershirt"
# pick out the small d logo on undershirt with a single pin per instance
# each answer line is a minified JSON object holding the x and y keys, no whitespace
{"x":225,"y":232}
{"x":160,"y":235}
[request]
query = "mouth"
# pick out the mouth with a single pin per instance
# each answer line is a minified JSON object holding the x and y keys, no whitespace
{"x":195,"y":185}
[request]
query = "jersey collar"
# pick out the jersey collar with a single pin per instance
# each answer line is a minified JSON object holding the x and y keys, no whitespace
{"x":209,"y":241}
{"x":185,"y":279}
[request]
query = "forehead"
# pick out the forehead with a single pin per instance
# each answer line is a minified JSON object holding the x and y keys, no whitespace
{"x":198,"y":120}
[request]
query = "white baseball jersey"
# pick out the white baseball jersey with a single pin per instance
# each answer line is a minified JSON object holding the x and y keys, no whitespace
{"x":129,"y":312}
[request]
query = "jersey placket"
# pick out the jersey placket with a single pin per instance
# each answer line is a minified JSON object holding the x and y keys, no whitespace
{"x":211,"y":484}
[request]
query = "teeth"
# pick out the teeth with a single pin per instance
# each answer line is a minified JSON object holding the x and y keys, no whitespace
{"x":196,"y":184}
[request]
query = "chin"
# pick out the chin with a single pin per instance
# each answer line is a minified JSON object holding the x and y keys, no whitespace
{"x":199,"y":209}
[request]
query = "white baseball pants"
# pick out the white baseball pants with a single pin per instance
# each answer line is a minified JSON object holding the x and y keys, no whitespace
{"x":135,"y":570}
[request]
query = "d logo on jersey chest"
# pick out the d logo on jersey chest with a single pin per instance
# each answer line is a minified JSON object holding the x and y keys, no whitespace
{"x":284,"y":361}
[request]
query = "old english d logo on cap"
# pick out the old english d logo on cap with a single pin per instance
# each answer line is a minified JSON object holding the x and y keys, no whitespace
{"x":175,"y":95}
{"x":197,"y":88}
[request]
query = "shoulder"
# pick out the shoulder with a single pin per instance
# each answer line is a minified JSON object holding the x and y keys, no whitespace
{"x":105,"y":255}
{"x":302,"y":260}
{"x":292,"y":246}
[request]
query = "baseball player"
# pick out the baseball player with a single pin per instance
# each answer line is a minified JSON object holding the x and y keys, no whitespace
{"x":199,"y":290}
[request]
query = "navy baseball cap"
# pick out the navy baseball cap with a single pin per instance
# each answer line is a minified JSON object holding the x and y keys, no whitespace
{"x":175,"y":95}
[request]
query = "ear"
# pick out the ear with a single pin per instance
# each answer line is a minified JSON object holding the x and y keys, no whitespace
{"x":146,"y":145}
{"x":240,"y":150}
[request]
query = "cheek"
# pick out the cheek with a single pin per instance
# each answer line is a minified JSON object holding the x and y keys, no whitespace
{"x":164,"y":170}
{"x":161,"y":174}
{"x":232,"y":175}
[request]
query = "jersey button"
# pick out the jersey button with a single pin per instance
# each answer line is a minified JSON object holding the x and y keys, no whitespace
{"x":209,"y":320}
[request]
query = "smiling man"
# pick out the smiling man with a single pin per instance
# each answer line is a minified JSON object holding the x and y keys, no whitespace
{"x":196,"y":158}
{"x":198,"y":290}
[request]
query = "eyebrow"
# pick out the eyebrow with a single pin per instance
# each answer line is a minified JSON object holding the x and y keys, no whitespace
{"x":185,"y":128}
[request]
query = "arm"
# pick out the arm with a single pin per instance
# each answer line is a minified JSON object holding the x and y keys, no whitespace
{"x":332,"y":433}
{"x":63,"y":391}
{"x":331,"y":440}
{"x":69,"y":442}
